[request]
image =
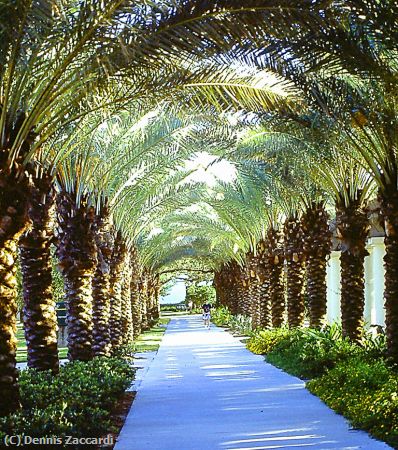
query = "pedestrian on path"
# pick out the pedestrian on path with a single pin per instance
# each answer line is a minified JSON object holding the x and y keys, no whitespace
{"x":206,"y":307}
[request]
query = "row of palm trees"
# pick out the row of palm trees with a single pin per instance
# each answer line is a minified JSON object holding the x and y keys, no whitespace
{"x":90,"y":139}
{"x":339,"y":60}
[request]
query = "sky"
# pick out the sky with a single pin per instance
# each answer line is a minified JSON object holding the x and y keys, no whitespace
{"x":176,"y":294}
{"x":221,"y":170}
{"x":209,"y":174}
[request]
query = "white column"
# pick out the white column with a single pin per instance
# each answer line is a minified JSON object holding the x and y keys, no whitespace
{"x":333,"y":278}
{"x":378,"y":250}
{"x":369,"y":310}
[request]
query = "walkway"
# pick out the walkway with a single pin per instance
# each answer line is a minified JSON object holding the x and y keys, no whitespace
{"x":205,"y":391}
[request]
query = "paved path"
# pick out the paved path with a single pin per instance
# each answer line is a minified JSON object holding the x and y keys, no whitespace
{"x":205,"y":391}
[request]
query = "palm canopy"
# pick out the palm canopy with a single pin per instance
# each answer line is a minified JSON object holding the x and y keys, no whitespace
{"x":221,"y":222}
{"x":313,"y":157}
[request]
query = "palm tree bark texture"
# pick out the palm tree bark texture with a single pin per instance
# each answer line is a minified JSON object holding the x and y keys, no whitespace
{"x":143,"y":290}
{"x":263,"y":271}
{"x":389,"y":203}
{"x":104,"y":237}
{"x":293,"y":251}
{"x":254,"y":289}
{"x":126,"y":318}
{"x":40,"y":318}
{"x":153,"y":299}
{"x":135,"y":294}
{"x":156,"y":311}
{"x":14,"y":194}
{"x":116,"y":285}
{"x":237,"y":279}
{"x":275,"y":258}
{"x":317,"y":248}
{"x":77,"y":255}
{"x":246,"y":298}
{"x":352,"y":231}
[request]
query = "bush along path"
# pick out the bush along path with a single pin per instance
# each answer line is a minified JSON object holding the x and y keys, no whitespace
{"x":86,"y":402}
{"x":205,"y":390}
{"x":355,"y":380}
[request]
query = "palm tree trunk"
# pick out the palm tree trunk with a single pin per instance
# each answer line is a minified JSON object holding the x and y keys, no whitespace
{"x":143,"y":288}
{"x":136,"y":310}
{"x":254,"y":270}
{"x":116,"y":283}
{"x":9,"y":390}
{"x":317,"y":247}
{"x":104,"y":237}
{"x":352,"y":231}
{"x":276,"y":290}
{"x":254,"y":293}
{"x":240,"y":294}
{"x":157,"y":297}
{"x":14,"y":194}
{"x":40,"y":318}
{"x":264,"y":286}
{"x":135,"y":296}
{"x":389,"y":206}
{"x":390,"y":213}
{"x":295,"y":271}
{"x":77,"y":255}
{"x":127,"y":320}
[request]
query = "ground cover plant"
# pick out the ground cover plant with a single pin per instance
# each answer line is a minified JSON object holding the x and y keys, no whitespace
{"x":354,"y":379}
{"x":78,"y":401}
{"x":365,"y":392}
{"x":238,"y":324}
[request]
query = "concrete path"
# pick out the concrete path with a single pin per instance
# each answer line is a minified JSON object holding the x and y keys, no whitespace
{"x":205,"y":391}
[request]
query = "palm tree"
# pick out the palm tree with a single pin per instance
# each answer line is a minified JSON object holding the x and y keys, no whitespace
{"x":127,"y":318}
{"x":77,"y":254}
{"x":344,"y":60}
{"x":48,"y":61}
{"x":104,"y":238}
{"x":335,"y":166}
{"x":264,"y":269}
{"x":135,"y":294}
{"x":40,"y":319}
{"x":43,"y":89}
{"x":275,"y":264}
{"x":118,"y":263}
{"x":317,"y":247}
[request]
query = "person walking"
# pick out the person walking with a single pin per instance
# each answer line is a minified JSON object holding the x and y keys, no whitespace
{"x":206,"y":307}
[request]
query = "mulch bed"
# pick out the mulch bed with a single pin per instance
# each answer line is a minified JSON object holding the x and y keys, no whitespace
{"x":118,"y":417}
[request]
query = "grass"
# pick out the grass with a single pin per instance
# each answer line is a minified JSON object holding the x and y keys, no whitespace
{"x":149,"y":341}
{"x":22,"y":349}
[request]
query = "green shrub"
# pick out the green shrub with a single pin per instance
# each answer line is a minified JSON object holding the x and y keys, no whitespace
{"x":241,"y":325}
{"x":263,"y":341}
{"x":309,"y":353}
{"x":173,"y":307}
{"x":221,"y":316}
{"x":200,"y":294}
{"x":366,"y":392}
{"x":352,"y":379}
{"x":76,"y":402}
{"x":238,"y":324}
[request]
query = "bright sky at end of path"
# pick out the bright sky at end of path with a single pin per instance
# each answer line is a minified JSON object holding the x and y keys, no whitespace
{"x":208,"y":171}
{"x":176,"y":294}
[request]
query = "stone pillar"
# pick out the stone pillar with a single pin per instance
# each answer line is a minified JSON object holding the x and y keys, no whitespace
{"x":374,"y":277}
{"x":369,"y":282}
{"x":333,"y":280}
